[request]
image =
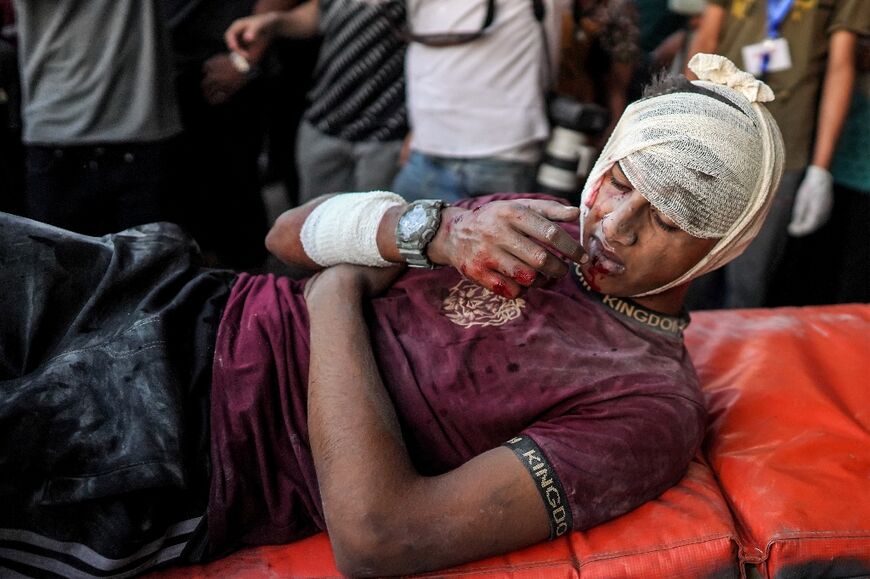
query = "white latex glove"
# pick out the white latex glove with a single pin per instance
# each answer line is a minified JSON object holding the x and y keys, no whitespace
{"x":813,"y":202}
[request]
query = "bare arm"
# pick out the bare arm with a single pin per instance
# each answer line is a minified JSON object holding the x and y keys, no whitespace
{"x":502,"y":245}
{"x":617,"y":80}
{"x":383,"y":518}
{"x":251,"y":36}
{"x":263,"y":6}
{"x":836,"y":96}
{"x":706,"y":37}
{"x":221,"y":76}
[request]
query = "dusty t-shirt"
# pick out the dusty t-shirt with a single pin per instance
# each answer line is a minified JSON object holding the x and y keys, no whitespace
{"x":807,"y":28}
{"x":595,"y":394}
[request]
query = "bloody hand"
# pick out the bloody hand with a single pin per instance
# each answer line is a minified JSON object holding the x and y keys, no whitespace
{"x":504,"y":245}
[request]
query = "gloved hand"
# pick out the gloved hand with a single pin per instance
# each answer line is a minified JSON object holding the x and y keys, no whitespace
{"x":813,"y":202}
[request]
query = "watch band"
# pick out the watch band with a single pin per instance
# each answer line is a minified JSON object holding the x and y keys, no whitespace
{"x":416,"y":227}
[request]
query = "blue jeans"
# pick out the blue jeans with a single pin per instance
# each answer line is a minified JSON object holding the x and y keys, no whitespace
{"x":430,"y":177}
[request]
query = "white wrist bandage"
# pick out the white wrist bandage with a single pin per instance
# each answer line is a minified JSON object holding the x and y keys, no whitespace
{"x":344,"y":228}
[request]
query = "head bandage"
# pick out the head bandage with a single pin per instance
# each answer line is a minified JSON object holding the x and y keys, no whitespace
{"x":710,"y":166}
{"x":344,"y":229}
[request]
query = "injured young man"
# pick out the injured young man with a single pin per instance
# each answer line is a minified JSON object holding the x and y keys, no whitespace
{"x":154,"y":412}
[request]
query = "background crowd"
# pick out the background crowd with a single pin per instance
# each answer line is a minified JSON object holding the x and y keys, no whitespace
{"x":115,"y":113}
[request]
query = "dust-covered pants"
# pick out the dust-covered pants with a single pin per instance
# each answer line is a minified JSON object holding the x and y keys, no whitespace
{"x":105,"y":366}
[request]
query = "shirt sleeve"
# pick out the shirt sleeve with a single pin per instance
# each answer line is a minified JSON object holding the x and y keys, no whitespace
{"x":607,"y":459}
{"x":851,"y":15}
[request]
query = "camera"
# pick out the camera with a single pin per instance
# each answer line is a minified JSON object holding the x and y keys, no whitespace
{"x":568,"y":157}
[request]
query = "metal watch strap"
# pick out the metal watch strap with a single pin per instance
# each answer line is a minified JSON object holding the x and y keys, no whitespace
{"x":414,"y":250}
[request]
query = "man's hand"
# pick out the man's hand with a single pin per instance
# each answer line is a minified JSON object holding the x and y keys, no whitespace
{"x":813,"y":202}
{"x":355,"y":280}
{"x":251,"y":36}
{"x":504,"y":245}
{"x":221,"y":79}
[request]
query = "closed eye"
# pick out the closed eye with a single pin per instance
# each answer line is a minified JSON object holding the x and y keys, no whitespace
{"x":662,"y":223}
{"x":620,"y":186}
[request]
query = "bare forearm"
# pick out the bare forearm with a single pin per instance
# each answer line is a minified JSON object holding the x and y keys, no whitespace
{"x":285,"y":243}
{"x":284,"y":239}
{"x":264,"y":6}
{"x":355,"y":436}
{"x":706,"y":38}
{"x":301,"y":22}
{"x":617,"y":89}
{"x":501,"y":246}
{"x":836,"y":97}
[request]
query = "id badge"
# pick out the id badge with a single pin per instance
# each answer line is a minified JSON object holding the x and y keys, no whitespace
{"x":777,"y":48}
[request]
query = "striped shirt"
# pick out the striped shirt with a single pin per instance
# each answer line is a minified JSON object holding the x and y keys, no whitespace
{"x":359,"y":87}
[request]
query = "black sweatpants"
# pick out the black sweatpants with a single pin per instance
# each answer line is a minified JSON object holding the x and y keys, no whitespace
{"x":105,"y":368}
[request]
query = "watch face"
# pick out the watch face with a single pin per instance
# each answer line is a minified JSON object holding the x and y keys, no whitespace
{"x":412,"y":222}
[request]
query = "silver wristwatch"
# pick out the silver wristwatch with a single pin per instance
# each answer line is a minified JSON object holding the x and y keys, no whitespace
{"x":416,"y":228}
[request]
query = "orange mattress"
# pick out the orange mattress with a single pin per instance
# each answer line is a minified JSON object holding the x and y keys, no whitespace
{"x":782,"y":484}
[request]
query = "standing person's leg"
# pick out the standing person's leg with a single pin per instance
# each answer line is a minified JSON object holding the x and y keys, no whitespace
{"x":707,"y":292}
{"x":325,"y":164}
{"x":428,"y":177}
{"x":230,"y":220}
{"x":285,"y":96}
{"x":62,"y":188}
{"x":748,"y":277}
{"x":141,"y":182}
{"x":851,"y":219}
{"x":376,"y":164}
{"x":487,"y":176}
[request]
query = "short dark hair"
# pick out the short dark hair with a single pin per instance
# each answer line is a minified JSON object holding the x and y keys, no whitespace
{"x":666,"y":82}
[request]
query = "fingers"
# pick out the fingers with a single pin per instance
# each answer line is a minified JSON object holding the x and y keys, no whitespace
{"x":542,"y":230}
{"x":536,"y":257}
{"x":812,"y":204}
{"x":242,"y":34}
{"x":799,"y":226}
{"x":499,"y":284}
{"x":500,"y":272}
{"x":552,"y":210}
{"x":232,"y":37}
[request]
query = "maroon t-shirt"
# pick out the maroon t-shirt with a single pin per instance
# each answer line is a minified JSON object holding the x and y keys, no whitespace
{"x":596,"y":396}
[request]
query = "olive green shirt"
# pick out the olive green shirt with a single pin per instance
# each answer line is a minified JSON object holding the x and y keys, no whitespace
{"x":807,"y":27}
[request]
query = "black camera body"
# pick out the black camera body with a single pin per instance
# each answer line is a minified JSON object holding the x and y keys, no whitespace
{"x":568,"y":157}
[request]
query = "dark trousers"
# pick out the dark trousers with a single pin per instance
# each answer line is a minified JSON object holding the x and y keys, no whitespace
{"x":105,"y":369}
{"x":831,"y":265}
{"x":221,"y":146}
{"x":100,"y":189}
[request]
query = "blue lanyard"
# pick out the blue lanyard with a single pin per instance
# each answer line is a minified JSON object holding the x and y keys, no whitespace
{"x":776,"y":13}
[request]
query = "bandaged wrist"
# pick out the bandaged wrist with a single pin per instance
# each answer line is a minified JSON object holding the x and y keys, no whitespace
{"x":344,"y":229}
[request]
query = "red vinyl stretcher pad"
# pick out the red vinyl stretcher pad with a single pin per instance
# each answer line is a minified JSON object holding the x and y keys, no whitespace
{"x":789,"y":439}
{"x":783,"y":484}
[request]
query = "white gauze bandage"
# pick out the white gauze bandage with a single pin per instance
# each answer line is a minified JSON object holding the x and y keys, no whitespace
{"x":710,"y":162}
{"x":344,"y":228}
